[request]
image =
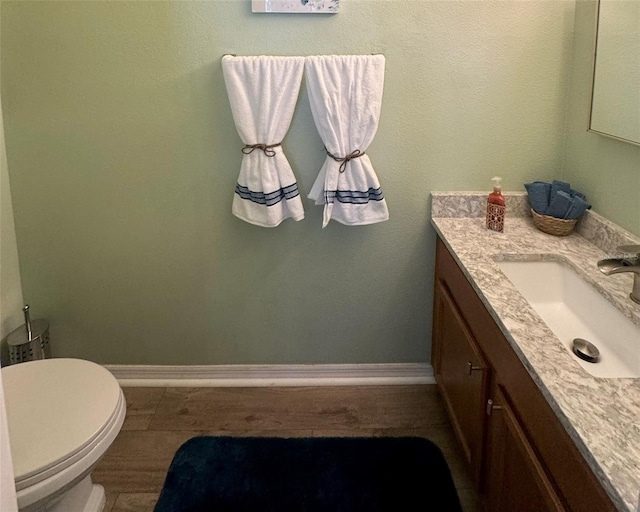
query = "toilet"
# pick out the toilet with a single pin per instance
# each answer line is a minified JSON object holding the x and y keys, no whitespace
{"x":63,"y":414}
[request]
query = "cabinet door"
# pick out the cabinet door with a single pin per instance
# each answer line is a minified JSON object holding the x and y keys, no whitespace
{"x":515,"y":479}
{"x":461,"y":374}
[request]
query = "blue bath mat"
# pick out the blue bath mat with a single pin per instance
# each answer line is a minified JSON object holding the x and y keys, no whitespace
{"x":257,"y":474}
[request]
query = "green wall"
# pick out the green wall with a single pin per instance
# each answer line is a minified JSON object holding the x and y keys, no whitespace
{"x":606,"y":170}
{"x":123,"y":159}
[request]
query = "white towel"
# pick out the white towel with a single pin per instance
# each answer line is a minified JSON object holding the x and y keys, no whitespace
{"x":263,"y":92}
{"x":345,"y":92}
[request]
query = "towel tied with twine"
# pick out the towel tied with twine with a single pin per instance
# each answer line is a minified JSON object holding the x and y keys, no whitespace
{"x":345,"y":93}
{"x":263,"y":91}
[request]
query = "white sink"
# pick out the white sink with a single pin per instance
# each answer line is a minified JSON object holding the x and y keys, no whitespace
{"x":572,"y":308}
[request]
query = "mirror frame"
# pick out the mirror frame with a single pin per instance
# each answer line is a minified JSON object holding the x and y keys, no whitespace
{"x":593,"y":83}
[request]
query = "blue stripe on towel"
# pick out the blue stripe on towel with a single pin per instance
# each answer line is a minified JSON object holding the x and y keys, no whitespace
{"x":353,"y":196}
{"x":270,"y":198}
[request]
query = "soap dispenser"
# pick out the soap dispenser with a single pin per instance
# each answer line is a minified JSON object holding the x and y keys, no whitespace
{"x":496,"y":207}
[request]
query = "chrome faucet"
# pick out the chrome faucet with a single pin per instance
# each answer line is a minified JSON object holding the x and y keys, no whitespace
{"x":625,"y":264}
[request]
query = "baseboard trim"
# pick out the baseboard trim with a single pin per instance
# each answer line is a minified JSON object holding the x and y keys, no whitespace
{"x":272,"y":375}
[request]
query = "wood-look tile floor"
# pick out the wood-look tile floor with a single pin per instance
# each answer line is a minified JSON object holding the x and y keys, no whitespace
{"x":159,"y":420}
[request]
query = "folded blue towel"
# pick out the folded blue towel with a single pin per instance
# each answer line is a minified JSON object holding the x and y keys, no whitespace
{"x":538,"y":193}
{"x":557,"y":186}
{"x":556,"y":199}
{"x":565,"y":206}
{"x":578,"y":207}
{"x":559,"y":205}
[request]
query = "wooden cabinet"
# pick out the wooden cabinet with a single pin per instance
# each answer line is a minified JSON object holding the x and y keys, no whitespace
{"x":520,"y":455}
{"x":462,"y":375}
{"x":516,"y":479}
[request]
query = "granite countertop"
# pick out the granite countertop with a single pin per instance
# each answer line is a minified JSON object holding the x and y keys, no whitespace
{"x":602,"y":415}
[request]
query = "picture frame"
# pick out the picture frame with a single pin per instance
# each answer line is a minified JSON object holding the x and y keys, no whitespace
{"x":296,"y":6}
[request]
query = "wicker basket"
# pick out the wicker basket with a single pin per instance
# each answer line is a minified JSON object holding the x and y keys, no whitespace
{"x":552,"y":225}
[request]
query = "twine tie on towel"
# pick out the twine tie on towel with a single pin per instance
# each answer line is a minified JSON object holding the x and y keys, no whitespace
{"x":266,"y":148}
{"x":345,"y":160}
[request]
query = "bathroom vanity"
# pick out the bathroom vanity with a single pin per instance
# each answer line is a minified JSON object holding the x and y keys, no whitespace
{"x":531,"y":421}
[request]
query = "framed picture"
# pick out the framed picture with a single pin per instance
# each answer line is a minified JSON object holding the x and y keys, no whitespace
{"x":306,"y":6}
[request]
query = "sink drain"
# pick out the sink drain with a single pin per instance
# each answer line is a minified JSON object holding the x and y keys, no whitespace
{"x":586,"y":350}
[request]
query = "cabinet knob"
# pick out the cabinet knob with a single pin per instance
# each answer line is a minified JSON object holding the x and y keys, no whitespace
{"x":472,"y":368}
{"x":491,"y":407}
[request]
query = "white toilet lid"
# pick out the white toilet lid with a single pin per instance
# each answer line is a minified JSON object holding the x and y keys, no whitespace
{"x":55,"y":408}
